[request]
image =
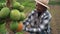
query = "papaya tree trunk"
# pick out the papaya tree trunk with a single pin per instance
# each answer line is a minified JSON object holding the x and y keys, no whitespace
{"x":9,"y":3}
{"x":8,"y":20}
{"x":9,"y":31}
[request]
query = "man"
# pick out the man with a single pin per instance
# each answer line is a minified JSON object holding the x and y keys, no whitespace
{"x":38,"y":21}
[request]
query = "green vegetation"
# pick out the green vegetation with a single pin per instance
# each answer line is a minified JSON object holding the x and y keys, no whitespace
{"x":54,"y":3}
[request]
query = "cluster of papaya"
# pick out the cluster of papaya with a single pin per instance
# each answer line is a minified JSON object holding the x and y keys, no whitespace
{"x":16,"y":15}
{"x":16,"y":26}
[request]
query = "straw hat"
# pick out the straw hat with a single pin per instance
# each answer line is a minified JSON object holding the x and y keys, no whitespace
{"x":43,"y":2}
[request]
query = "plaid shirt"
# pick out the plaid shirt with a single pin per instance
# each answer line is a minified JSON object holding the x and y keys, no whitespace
{"x":35,"y":24}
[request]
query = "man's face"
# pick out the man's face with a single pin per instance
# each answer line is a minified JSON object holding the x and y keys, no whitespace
{"x":40,"y":8}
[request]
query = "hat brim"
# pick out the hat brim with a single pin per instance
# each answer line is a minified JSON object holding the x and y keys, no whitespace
{"x":42,"y":4}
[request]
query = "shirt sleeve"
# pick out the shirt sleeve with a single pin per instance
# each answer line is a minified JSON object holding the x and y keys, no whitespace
{"x":46,"y":20}
{"x":33,"y":29}
{"x":27,"y":22}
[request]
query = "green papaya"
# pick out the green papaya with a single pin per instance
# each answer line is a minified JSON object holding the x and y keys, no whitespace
{"x":15,"y":14}
{"x":4,"y":12}
{"x":21,"y":8}
{"x":15,"y":5}
{"x":14,"y":25}
{"x":22,"y":16}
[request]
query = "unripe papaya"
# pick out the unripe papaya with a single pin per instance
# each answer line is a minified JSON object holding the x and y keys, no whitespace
{"x":4,"y":12}
{"x":15,"y":14}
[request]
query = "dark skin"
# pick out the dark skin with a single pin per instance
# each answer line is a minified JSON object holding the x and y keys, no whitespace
{"x":40,"y":8}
